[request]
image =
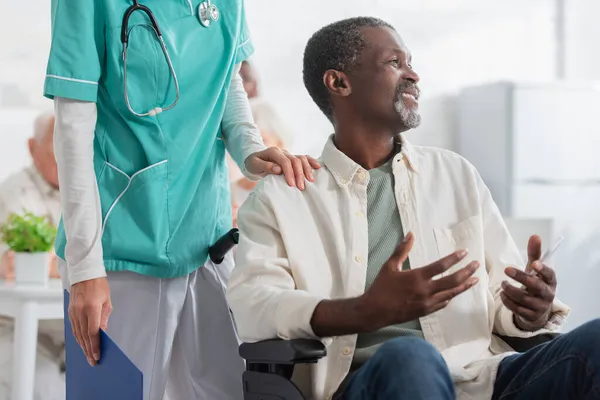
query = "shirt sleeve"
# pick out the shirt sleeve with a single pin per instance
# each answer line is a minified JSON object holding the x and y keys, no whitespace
{"x":262,"y":292}
{"x":77,"y":50}
{"x":80,"y":199}
{"x":245,"y":47}
{"x":242,"y":137}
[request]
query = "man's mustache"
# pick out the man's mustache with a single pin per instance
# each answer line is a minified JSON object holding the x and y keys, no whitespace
{"x":410,"y":88}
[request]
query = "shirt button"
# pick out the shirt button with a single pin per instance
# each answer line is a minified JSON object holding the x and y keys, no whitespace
{"x":360,"y":214}
{"x":346,"y":351}
{"x":358,"y":259}
{"x":362,"y":176}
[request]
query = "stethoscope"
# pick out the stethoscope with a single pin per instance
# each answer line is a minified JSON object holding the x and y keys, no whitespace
{"x":207,"y":14}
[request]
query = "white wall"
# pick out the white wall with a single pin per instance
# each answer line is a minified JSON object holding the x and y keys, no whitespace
{"x":454,"y":43}
{"x":582,"y":34}
{"x":460,"y":43}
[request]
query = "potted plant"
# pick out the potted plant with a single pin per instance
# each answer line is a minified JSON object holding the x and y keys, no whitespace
{"x":31,"y":238}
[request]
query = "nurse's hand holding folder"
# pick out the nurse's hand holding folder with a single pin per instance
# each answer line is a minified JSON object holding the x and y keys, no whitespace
{"x":89,"y":310}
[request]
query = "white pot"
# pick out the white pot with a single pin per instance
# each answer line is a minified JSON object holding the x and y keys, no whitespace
{"x":31,"y":268}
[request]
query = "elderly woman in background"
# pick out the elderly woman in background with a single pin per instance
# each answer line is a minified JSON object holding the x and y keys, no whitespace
{"x":274,"y":133}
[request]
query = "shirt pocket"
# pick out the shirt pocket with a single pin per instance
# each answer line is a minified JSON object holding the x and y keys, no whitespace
{"x":466,"y":234}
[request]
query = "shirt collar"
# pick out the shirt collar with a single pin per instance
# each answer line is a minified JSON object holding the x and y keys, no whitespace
{"x":43,"y":186}
{"x":343,"y":168}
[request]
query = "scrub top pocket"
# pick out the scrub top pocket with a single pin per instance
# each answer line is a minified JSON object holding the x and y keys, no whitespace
{"x":134,"y":213}
{"x":148,"y":72}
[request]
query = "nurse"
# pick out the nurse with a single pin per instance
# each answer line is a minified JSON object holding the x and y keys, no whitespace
{"x":147,"y":99}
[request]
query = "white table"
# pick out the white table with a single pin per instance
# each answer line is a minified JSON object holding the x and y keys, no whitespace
{"x":27,"y":305}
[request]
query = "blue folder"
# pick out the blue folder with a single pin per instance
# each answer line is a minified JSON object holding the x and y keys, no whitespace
{"x":115,"y":377}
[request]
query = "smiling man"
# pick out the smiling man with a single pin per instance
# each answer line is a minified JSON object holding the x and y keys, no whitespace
{"x":372,"y":258}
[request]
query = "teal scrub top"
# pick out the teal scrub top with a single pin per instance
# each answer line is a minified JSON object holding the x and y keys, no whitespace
{"x":163,"y":179}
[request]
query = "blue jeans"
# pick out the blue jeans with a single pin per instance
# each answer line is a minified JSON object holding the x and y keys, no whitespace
{"x":406,"y":368}
{"x":568,"y":368}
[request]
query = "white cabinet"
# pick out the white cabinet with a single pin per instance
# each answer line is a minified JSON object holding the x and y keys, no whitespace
{"x":555,"y":134}
{"x":537,"y":147}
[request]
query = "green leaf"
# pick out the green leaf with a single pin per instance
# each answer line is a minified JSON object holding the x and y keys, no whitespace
{"x":28,"y":233}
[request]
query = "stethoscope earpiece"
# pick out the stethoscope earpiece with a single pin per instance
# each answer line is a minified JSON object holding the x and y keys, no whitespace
{"x":207,"y":13}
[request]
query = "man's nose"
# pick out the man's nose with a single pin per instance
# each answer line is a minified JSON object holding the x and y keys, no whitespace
{"x":411,"y":76}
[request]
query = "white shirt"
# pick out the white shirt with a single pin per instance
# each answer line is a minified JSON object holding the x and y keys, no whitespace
{"x":27,"y":190}
{"x":74,"y":149}
{"x":299,"y":248}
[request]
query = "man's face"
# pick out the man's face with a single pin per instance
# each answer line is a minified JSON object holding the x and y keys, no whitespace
{"x":384,"y":86}
{"x":249,"y":79}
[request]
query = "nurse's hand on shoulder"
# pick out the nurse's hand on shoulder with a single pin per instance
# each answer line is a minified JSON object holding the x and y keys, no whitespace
{"x":89,"y":309}
{"x":277,"y":161}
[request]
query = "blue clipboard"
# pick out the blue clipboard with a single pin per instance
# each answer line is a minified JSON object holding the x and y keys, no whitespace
{"x":115,"y":377}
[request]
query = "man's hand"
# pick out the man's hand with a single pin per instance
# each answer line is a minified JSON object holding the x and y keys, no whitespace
{"x":7,"y":265}
{"x":531,"y":304}
{"x":398,"y":296}
{"x":89,"y":309}
{"x":276,"y":161}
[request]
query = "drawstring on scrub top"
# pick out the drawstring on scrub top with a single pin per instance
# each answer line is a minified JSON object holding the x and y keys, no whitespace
{"x":125,"y":41}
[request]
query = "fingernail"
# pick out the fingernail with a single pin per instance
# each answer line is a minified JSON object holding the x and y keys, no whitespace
{"x":311,"y":178}
{"x":511,"y":272}
{"x":89,"y":360}
{"x":537,"y":266}
{"x":301,"y":185}
{"x":277,"y":169}
{"x":503,"y":284}
{"x":407,"y":237}
{"x":474,"y":281}
{"x":463,"y":253}
{"x":96,"y":356}
{"x":476,"y":265}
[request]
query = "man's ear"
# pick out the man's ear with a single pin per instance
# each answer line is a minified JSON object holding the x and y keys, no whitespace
{"x":31,"y":144}
{"x":337,"y":83}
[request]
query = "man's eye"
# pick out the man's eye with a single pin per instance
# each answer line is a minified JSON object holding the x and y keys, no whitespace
{"x":395,"y":61}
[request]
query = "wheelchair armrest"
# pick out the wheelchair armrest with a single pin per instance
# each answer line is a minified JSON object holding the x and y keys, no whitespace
{"x":522,"y":345}
{"x":290,"y":352}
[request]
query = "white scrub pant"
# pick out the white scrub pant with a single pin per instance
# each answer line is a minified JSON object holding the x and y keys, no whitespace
{"x":178,"y":332}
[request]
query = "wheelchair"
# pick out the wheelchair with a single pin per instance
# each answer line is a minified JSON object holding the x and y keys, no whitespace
{"x":270,"y":363}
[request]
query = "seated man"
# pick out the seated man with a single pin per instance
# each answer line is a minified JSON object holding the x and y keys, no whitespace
{"x":372,"y":258}
{"x":34,"y":189}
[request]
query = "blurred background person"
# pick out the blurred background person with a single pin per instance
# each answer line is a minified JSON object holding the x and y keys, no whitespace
{"x":272,"y":128}
{"x":248,"y":74}
{"x":273,"y":132}
{"x":34,"y":189}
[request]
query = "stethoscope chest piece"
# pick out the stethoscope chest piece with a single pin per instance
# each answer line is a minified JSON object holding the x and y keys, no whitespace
{"x":207,"y":13}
